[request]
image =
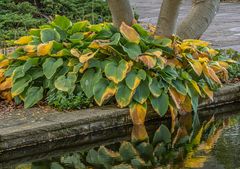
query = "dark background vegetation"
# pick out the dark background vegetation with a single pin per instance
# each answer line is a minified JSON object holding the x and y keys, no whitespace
{"x":17,"y":16}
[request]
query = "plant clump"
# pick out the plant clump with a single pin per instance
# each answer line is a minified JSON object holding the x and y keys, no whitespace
{"x":129,"y":67}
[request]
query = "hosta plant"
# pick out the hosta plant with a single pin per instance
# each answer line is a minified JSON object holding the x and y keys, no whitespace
{"x":129,"y":67}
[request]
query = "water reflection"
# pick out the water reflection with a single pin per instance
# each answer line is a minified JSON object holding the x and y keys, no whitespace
{"x":186,"y":145}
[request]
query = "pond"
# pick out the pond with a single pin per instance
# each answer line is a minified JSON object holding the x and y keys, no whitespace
{"x":215,"y":144}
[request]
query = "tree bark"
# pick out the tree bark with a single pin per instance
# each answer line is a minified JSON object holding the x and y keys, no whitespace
{"x":198,"y":20}
{"x":167,"y":19}
{"x":121,"y":12}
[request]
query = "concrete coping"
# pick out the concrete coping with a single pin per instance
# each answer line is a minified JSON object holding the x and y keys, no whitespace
{"x":40,"y":126}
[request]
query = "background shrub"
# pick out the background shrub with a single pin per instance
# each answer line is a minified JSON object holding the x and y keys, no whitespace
{"x":18,"y":16}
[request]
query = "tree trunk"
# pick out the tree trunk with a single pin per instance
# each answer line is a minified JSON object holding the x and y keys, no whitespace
{"x":198,"y":20}
{"x":121,"y":12}
{"x":167,"y":19}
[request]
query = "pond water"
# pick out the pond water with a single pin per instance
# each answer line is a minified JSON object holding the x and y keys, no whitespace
{"x":215,"y":145}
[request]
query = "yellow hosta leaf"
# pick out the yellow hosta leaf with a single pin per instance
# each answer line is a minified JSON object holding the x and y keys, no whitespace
{"x":197,"y":66}
{"x":96,"y":44}
{"x":196,"y":42}
{"x":212,"y":52}
{"x":157,"y":53}
{"x":208,"y":92}
{"x":1,"y":56}
{"x":203,"y":59}
{"x":173,"y":117}
{"x":223,"y":64}
{"x":196,"y":162}
{"x":23,"y":40}
{"x":174,"y":63}
{"x":44,"y":49}
{"x":85,"y":57}
{"x":139,"y":133}
{"x":29,"y":48}
{"x":138,"y":113}
{"x":181,"y":132}
{"x":149,"y":61}
{"x":209,"y":72}
{"x":187,"y":105}
{"x":2,"y":77}
{"x":7,"y":84}
{"x":23,"y":58}
{"x":176,"y":97}
{"x":75,"y":52}
{"x":129,"y":33}
{"x":196,"y":87}
{"x":4,"y":63}
{"x":85,"y":66}
{"x":6,"y":95}
{"x":108,"y":93}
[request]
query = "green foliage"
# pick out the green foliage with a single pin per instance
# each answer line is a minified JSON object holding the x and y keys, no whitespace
{"x":103,"y":64}
{"x":16,"y":17}
{"x":234,"y":69}
{"x":64,"y":101}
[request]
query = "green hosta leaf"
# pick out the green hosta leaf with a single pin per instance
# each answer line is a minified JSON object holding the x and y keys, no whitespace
{"x":133,"y":80}
{"x":66,"y":83}
{"x":106,"y":156}
{"x":35,"y":73}
{"x":127,"y":151}
{"x":122,"y":166}
{"x":33,"y":96}
{"x":62,"y":22}
{"x":133,"y":50}
{"x":194,"y":96}
{"x":92,"y":157}
{"x":116,"y":72}
{"x":138,"y":163}
{"x":142,"y":92}
{"x":179,"y":86}
{"x":79,"y":27}
{"x":160,"y":104}
{"x":88,"y":80}
{"x":103,"y":90}
{"x":56,"y":165}
{"x":20,"y":71}
{"x":115,"y":39}
{"x":20,"y":84}
{"x":155,"y":87}
{"x":76,"y":37}
{"x":145,"y":150}
{"x":50,"y":66}
{"x":162,"y":134}
{"x":124,"y":95}
{"x":160,"y":150}
{"x":140,"y":30}
{"x":49,"y":34}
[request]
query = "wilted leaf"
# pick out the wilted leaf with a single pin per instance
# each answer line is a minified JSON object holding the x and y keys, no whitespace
{"x":208,"y":92}
{"x":129,"y":33}
{"x":209,"y":72}
{"x":139,"y":134}
{"x":138,"y":112}
{"x":85,"y":57}
{"x":107,"y":156}
{"x":197,"y":66}
{"x":7,"y":84}
{"x":148,"y":60}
